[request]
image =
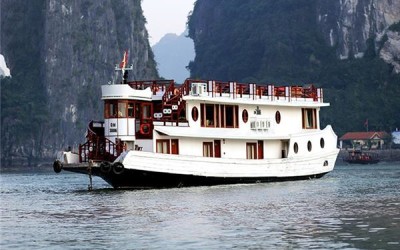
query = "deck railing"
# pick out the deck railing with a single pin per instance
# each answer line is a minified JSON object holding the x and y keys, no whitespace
{"x":97,"y":147}
{"x":235,"y":89}
{"x":258,"y":91}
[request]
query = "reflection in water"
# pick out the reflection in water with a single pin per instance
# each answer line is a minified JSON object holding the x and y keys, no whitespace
{"x":352,"y":207}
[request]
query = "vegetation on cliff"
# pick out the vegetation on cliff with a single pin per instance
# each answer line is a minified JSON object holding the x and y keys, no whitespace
{"x":279,"y":42}
{"x":59,"y":54}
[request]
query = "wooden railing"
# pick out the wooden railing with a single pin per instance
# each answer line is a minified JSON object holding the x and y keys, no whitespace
{"x":97,"y":147}
{"x":254,"y":91}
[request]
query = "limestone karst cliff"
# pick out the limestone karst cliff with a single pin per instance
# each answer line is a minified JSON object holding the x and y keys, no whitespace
{"x":60,"y":52}
{"x":348,"y":24}
{"x":349,"y":47}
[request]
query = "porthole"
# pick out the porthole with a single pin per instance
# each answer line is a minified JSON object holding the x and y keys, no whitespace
{"x":326,"y":163}
{"x":278,"y":117}
{"x":296,"y":148}
{"x":245,"y":116}
{"x":195,"y":113}
{"x":322,"y":142}
{"x":309,"y":146}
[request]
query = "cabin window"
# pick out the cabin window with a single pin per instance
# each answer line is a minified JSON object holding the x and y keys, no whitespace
{"x":251,"y":150}
{"x":137,"y":111}
{"x":222,"y":117}
{"x":322,"y":143}
{"x":219,"y":116}
{"x":207,"y":149}
{"x":131,"y":110}
{"x":229,"y":116}
{"x":210,"y":119}
{"x":121,"y":109}
{"x":245,"y":115}
{"x":110,"y":109}
{"x":162,"y":146}
{"x":278,"y":117}
{"x":146,"y":111}
{"x":309,"y":117}
{"x":296,"y":148}
{"x":309,"y":146}
{"x":195,"y":114}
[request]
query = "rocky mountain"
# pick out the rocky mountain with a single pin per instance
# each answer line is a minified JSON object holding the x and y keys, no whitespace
{"x":349,"y":24}
{"x":60,"y":52}
{"x":4,"y":70}
{"x":173,"y":54}
{"x":349,"y":47}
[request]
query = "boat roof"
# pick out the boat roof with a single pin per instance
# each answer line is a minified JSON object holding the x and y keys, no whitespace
{"x":364,"y":135}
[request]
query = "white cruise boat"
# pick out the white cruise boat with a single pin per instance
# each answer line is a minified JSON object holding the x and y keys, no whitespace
{"x":158,"y":134}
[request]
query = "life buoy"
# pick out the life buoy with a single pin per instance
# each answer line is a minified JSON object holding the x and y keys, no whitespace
{"x":105,"y":167}
{"x":57,"y":166}
{"x":118,"y":168}
{"x":145,"y":129}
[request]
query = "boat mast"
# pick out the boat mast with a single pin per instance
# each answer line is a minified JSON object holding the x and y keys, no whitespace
{"x":123,"y":67}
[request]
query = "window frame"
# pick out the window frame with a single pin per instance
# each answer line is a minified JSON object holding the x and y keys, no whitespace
{"x":208,"y":149}
{"x":309,"y":118}
{"x":251,"y":150}
{"x":163,"y":147}
{"x":245,"y":116}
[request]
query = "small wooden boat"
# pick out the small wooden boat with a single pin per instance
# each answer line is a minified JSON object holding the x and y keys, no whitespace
{"x":360,"y":157}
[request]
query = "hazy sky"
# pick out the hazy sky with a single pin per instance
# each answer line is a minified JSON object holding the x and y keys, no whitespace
{"x":165,"y":16}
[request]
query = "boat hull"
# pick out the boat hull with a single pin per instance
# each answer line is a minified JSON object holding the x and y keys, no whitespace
{"x":140,"y":179}
{"x":142,"y":170}
{"x":364,"y":162}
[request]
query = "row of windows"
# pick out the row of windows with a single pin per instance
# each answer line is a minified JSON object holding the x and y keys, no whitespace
{"x":217,"y":115}
{"x":210,"y":149}
{"x":309,"y":145}
{"x":210,"y":116}
{"x":126,"y":109}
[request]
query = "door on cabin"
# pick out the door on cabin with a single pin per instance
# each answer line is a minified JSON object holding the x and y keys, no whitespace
{"x":260,"y":150}
{"x":217,"y":148}
{"x":174,"y":146}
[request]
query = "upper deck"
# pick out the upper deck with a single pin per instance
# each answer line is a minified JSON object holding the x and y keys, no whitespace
{"x":216,"y":91}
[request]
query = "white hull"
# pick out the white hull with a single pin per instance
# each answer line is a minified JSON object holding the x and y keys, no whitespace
{"x":228,"y":168}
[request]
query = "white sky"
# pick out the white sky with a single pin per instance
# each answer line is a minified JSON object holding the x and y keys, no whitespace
{"x":165,"y":16}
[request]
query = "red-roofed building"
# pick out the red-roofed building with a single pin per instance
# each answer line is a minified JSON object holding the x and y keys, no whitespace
{"x":365,"y":140}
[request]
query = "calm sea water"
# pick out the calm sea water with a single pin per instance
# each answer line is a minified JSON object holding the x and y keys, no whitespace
{"x":354,"y":207}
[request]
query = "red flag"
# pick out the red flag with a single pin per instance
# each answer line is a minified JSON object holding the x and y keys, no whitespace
{"x":122,"y":65}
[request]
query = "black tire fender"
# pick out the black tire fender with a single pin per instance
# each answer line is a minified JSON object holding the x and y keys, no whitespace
{"x":118,"y":168}
{"x":57,"y":166}
{"x":105,"y":167}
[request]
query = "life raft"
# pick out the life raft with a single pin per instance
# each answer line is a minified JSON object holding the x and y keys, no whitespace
{"x":145,"y":129}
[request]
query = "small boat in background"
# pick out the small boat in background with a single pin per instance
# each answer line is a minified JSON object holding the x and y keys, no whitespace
{"x":360,"y":157}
